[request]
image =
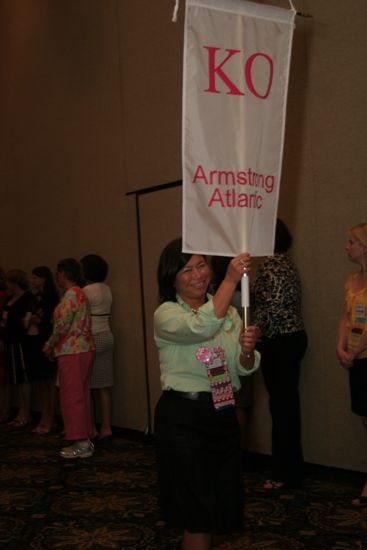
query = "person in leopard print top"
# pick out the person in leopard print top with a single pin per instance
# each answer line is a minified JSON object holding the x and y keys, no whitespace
{"x":276,"y":303}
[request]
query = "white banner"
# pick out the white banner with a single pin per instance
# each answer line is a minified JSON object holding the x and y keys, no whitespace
{"x":236,"y":67}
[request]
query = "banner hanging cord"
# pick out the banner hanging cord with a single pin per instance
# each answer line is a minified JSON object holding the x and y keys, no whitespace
{"x":292,"y":6}
{"x":175,"y":11}
{"x":300,"y":13}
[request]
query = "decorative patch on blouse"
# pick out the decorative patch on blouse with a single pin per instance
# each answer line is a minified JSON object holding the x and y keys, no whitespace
{"x":215,"y":361}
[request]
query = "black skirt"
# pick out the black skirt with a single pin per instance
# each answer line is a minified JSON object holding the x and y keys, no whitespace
{"x":358,"y":386}
{"x":16,"y":363}
{"x":39,"y":367}
{"x":199,"y":465}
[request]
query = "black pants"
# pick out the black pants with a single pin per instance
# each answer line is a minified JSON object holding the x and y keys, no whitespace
{"x":199,"y":465}
{"x":358,"y":386}
{"x":280,"y":362}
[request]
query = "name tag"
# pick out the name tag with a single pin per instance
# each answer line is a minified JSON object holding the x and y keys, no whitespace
{"x":215,"y":360}
{"x":360,"y":314}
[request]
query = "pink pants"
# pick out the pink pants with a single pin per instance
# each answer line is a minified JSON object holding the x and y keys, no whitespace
{"x":74,"y":383}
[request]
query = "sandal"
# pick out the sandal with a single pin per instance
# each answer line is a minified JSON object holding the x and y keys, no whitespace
{"x":359,"y":501}
{"x":270,"y":484}
{"x":41,"y":431}
{"x":19,"y":423}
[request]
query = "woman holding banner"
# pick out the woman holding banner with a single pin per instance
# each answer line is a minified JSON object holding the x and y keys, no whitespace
{"x":352,"y":339}
{"x":202,"y":351}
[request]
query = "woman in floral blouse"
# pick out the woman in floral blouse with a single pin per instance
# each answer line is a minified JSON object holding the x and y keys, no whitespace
{"x":277,"y":306}
{"x":72,"y":345}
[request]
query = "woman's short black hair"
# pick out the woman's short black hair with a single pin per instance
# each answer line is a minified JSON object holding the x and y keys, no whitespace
{"x":171,"y":261}
{"x":72,"y":270}
{"x":283,"y":237}
{"x":95,"y":268}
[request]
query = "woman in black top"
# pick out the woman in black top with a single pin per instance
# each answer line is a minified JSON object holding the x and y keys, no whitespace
{"x":38,"y":323}
{"x":14,"y":336}
{"x":276,"y":302}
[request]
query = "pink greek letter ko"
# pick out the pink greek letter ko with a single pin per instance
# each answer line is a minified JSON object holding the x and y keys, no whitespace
{"x":215,"y":70}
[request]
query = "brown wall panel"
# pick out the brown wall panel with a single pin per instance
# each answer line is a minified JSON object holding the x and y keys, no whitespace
{"x":160,"y":223}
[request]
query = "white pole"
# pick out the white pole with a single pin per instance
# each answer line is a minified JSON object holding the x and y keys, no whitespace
{"x":245,"y":299}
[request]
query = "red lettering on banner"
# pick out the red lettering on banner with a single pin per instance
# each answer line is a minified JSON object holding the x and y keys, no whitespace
{"x":230,"y":178}
{"x":200,"y":175}
{"x":229,"y":199}
{"x":243,"y":200}
{"x":216,"y":197}
{"x":248,"y":74}
{"x":215,"y":69}
{"x":241,"y":178}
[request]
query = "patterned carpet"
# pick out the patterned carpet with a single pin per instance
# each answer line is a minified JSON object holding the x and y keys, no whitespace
{"x":109,"y":501}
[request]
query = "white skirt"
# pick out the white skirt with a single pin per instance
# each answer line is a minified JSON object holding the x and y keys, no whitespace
{"x":102,"y":372}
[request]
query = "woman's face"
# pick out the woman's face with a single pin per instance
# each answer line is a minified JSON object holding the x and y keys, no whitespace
{"x":355,"y":250}
{"x":36,"y":282}
{"x":193,"y":279}
{"x":60,"y":279}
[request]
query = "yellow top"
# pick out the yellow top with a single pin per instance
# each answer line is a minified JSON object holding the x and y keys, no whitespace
{"x":356,"y":304}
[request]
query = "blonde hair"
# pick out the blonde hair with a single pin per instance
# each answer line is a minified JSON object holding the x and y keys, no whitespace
{"x":359,"y":232}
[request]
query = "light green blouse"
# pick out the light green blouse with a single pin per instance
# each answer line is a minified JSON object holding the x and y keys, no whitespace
{"x":179,"y":332}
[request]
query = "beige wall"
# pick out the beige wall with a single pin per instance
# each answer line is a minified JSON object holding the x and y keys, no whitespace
{"x":90,"y":100}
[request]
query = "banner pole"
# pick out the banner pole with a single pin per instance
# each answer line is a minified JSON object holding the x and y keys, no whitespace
{"x":245,"y":300}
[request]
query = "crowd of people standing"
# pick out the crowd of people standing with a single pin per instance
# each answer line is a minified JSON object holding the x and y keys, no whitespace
{"x":53,"y":342}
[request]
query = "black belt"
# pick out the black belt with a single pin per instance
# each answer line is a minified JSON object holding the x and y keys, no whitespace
{"x":192,"y":395}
